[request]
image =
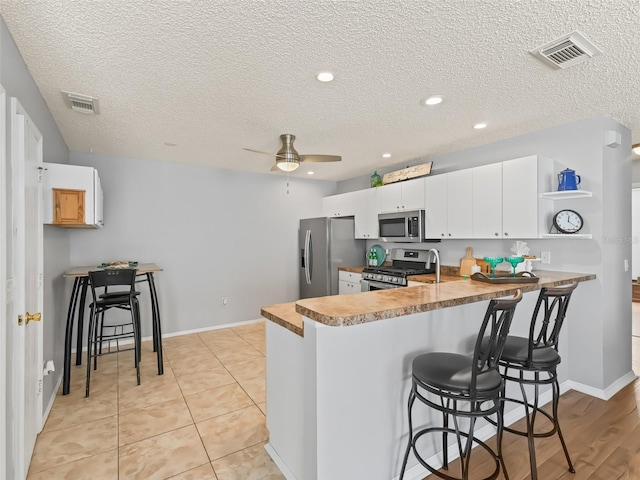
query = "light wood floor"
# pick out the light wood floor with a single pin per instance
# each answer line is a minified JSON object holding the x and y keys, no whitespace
{"x":603,"y":438}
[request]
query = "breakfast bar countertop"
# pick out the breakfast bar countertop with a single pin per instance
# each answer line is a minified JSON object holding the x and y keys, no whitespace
{"x":345,"y":310}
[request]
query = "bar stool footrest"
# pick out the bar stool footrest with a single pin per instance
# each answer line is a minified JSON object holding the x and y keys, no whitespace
{"x":437,"y":473}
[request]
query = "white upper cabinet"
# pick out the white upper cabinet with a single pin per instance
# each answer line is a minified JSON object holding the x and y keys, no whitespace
{"x":435,"y":208}
{"x":499,"y":200}
{"x":401,"y":196}
{"x":72,"y":196}
{"x":487,"y":201}
{"x":360,"y":205}
{"x":366,"y":215}
{"x":342,"y":205}
{"x":460,"y":204}
{"x":522,"y":180}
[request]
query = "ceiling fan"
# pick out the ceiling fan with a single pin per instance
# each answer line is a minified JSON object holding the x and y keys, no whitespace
{"x":288,"y":159}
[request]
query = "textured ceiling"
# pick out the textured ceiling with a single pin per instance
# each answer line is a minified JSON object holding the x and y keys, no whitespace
{"x":215,"y":76}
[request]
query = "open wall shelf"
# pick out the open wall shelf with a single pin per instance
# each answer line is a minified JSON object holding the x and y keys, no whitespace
{"x":566,"y":194}
{"x":573,"y":236}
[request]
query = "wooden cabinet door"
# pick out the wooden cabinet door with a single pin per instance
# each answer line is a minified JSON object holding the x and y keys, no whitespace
{"x":68,"y":206}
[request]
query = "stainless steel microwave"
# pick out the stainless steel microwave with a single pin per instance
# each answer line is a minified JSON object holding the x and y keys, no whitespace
{"x":401,"y":227}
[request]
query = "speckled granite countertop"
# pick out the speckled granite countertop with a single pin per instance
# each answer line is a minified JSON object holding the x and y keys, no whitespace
{"x":345,"y":310}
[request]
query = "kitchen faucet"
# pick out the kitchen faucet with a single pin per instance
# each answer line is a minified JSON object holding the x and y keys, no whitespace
{"x":433,"y":252}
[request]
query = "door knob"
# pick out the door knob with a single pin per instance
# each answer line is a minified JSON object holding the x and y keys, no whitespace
{"x":32,"y":317}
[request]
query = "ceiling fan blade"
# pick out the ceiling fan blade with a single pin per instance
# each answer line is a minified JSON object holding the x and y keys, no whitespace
{"x":264,"y":153}
{"x":275,"y":167}
{"x":258,"y":151}
{"x":320,"y":158}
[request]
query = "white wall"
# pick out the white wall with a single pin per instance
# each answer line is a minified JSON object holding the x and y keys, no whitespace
{"x":600,"y":315}
{"x":214,"y":232}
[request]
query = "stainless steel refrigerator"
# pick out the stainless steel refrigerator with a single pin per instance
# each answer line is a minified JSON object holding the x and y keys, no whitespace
{"x":325,"y":245}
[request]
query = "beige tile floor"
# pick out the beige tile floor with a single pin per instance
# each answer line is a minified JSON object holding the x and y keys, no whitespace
{"x":203,"y":419}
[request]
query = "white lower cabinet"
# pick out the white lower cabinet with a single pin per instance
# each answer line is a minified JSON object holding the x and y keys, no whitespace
{"x":349,"y":282}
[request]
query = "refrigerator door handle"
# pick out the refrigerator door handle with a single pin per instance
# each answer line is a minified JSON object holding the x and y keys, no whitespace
{"x":307,"y":254}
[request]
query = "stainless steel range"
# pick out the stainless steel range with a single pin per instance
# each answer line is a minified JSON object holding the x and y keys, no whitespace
{"x":403,"y":263}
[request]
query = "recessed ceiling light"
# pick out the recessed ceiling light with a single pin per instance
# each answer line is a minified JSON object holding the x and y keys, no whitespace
{"x":386,"y":155}
{"x":635,"y":148}
{"x":434,"y":100}
{"x":325,"y":76}
{"x":479,"y":126}
{"x":310,"y":172}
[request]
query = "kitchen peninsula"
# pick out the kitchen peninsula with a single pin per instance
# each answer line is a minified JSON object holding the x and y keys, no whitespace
{"x":339,"y":370}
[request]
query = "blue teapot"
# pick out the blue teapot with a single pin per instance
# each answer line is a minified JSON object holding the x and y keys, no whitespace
{"x":568,"y":180}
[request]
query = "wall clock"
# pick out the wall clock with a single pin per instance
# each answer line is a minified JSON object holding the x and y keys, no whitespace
{"x":568,"y":221}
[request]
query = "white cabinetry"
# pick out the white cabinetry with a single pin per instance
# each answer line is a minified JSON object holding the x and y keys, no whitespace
{"x":448,"y":205}
{"x":505,"y":198}
{"x":487,"y":201}
{"x":342,"y":205}
{"x":459,"y":204}
{"x":349,"y":282}
{"x":365,"y":214}
{"x":435,"y":199}
{"x":523,"y":215}
{"x":360,"y":205}
{"x":401,"y":196}
{"x":68,"y":179}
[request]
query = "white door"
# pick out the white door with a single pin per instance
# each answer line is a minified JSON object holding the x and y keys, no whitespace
{"x":4,"y":256}
{"x":24,"y":287}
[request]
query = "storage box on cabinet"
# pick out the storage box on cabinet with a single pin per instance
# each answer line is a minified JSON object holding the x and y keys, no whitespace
{"x":72,"y":196}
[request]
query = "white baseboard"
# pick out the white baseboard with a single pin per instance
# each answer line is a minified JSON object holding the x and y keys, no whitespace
{"x":187,"y":332}
{"x":608,"y":392}
{"x":279,"y":462}
{"x":47,"y":411}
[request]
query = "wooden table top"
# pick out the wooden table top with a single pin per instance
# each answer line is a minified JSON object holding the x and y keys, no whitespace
{"x":84,"y":271}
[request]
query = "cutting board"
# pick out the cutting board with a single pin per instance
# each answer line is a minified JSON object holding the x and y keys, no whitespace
{"x":467,"y":262}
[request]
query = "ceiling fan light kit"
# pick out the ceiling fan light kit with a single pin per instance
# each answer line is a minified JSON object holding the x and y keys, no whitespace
{"x":635,"y":148}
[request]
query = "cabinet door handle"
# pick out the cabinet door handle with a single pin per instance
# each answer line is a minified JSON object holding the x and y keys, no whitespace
{"x":506,"y":234}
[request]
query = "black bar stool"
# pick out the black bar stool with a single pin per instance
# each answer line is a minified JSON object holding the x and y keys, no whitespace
{"x":102,"y":302}
{"x":467,"y":386}
{"x":534,"y":361}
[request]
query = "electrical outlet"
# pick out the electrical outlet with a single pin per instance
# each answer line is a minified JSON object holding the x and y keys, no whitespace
{"x":545,"y":257}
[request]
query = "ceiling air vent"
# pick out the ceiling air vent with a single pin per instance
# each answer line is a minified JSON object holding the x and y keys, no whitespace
{"x":567,"y":51}
{"x":81,"y":103}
